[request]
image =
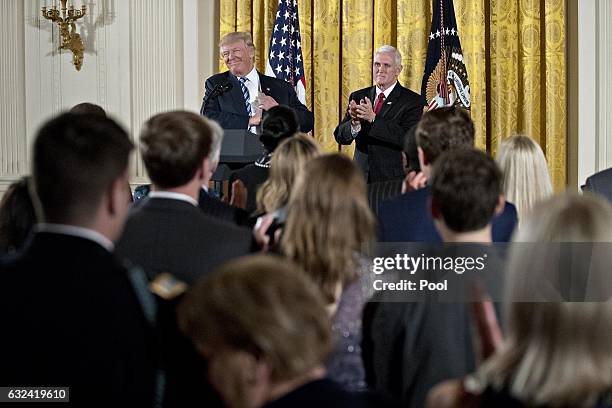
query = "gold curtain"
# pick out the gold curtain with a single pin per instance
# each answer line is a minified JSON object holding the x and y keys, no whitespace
{"x":514,"y":52}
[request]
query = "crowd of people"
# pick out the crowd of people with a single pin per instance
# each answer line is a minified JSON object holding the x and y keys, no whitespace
{"x":180,"y":299}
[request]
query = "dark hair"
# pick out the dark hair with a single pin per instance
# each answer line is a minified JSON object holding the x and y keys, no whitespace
{"x":466,"y":187}
{"x":173,"y":146}
{"x":278,"y":124}
{"x":17,"y":216}
{"x":88,"y":108}
{"x":77,"y":157}
{"x":444,"y":129}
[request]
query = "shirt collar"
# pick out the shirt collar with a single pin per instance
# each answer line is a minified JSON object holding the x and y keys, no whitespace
{"x":386,"y":91}
{"x":173,"y":196}
{"x":253,"y":76}
{"x":76,"y":231}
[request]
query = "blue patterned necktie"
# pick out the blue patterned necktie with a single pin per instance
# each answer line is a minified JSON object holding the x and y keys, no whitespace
{"x":246,"y":94}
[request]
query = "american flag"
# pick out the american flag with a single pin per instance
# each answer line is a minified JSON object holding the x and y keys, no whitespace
{"x":285,"y":59}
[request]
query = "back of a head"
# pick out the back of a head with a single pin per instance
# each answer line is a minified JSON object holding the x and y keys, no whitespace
{"x":444,"y":129}
{"x":173,"y":146}
{"x":216,"y":140}
{"x":278,"y":124}
{"x":89,"y":109}
{"x":526,"y":179}
{"x":76,"y":159}
{"x":264,"y":306}
{"x":328,"y":219}
{"x":287,"y":162}
{"x":553,"y":355}
{"x":17,"y":216}
{"x":466,"y":189}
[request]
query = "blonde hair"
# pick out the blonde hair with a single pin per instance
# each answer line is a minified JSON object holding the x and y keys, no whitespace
{"x":232,"y":38}
{"x":262,"y":305}
{"x":525,"y":173}
{"x":556,"y":353}
{"x":287,"y":162}
{"x":328,"y":219}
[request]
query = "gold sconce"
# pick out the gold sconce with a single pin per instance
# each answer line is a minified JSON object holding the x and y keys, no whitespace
{"x":70,"y":39}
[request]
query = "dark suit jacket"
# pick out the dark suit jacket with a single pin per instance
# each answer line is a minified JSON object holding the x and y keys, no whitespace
{"x":383,"y":140}
{"x":600,"y":183}
{"x":229,"y":108}
{"x":166,"y":235}
{"x":409,"y":347}
{"x":216,"y":208}
{"x":71,"y":318}
{"x":406,"y":218}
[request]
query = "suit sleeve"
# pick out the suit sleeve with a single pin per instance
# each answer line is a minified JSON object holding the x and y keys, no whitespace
{"x":211,"y":108}
{"x":343,"y":134}
{"x":394,"y":131}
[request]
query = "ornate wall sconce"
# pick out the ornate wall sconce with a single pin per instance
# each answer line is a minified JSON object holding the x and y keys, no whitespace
{"x":70,"y":39}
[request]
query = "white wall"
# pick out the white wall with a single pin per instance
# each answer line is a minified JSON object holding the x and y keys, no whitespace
{"x":141,"y":57}
{"x":594,"y":87}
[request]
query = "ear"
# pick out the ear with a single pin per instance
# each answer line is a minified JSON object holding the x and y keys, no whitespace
{"x":501,"y":204}
{"x":203,"y":170}
{"x":117,"y":196}
{"x":422,"y":158}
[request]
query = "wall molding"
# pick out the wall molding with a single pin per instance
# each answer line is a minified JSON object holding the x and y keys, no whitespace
{"x":12,"y":114}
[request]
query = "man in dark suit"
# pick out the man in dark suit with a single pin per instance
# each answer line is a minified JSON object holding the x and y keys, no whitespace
{"x":237,"y":98}
{"x":600,"y":183}
{"x":379,"y":117}
{"x":409,"y":347}
{"x":406,"y":218}
{"x":71,"y":313}
{"x":168,"y":233}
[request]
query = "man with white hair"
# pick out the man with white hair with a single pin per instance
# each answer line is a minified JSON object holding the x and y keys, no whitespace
{"x":209,"y":203}
{"x":379,"y":117}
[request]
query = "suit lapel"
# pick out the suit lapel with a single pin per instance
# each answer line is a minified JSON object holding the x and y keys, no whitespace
{"x":264,"y":84}
{"x":391,"y":100}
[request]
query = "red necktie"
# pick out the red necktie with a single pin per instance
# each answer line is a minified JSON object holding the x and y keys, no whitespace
{"x":379,"y":102}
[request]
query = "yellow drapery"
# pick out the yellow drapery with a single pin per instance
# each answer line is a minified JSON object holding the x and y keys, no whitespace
{"x":514,"y":52}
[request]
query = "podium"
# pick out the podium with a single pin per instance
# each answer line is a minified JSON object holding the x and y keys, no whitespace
{"x":239,"y":148}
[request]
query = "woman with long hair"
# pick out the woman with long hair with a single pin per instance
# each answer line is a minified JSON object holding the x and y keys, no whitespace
{"x":328,"y":221}
{"x":526,"y":180}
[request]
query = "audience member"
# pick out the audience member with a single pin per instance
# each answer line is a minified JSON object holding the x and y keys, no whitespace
{"x":526,"y":179}
{"x":279,"y":123}
{"x":72,"y":317}
{"x":555,"y":353}
{"x":17,"y":216}
{"x":207,"y":202}
{"x":167,"y":232}
{"x":406,"y":218}
{"x":411,"y":346}
{"x":263,"y":328}
{"x":288,"y":161}
{"x":328,"y":220}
